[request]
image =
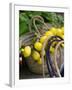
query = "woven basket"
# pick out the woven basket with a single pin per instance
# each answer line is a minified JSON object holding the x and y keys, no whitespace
{"x":27,"y":39}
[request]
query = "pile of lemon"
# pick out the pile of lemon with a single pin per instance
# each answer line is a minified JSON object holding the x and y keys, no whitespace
{"x":36,"y":51}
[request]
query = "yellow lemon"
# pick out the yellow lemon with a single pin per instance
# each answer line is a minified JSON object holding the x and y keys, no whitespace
{"x":62,"y":45}
{"x":42,"y":39}
{"x":27,"y":51}
{"x":36,"y":55}
{"x":62,"y":30}
{"x":59,"y":32}
{"x":62,"y":36}
{"x":48,"y":33}
{"x":53,"y":30}
{"x":51,"y":49}
{"x":39,"y":61}
{"x":38,"y":46}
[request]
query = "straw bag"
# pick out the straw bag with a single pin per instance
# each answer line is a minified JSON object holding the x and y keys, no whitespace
{"x":28,"y":38}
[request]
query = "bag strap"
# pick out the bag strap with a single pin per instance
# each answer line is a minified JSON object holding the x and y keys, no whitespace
{"x":48,"y":42}
{"x":55,"y":57}
{"x":33,"y":21}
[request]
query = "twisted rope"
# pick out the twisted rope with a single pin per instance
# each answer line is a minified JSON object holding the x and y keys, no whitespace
{"x":55,"y":57}
{"x":34,"y":19}
{"x":48,"y":41}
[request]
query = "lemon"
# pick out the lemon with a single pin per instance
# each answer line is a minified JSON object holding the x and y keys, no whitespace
{"x":62,"y":45}
{"x":42,"y":39}
{"x":39,"y":61}
{"x":53,"y":30}
{"x":62,"y":36}
{"x":38,"y":46}
{"x":36,"y":55}
{"x":48,"y":33}
{"x":62,"y":30}
{"x":27,"y":51}
{"x":59,"y":32}
{"x":51,"y":49}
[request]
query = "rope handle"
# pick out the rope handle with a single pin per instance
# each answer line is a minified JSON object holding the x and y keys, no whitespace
{"x":43,"y":48}
{"x":33,"y":20}
{"x":42,"y":55}
{"x":55,"y":57}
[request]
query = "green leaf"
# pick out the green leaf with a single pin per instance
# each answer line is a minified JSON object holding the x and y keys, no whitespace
{"x":56,"y":19}
{"x":23,"y":28}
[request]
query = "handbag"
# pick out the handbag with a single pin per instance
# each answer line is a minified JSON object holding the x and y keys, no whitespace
{"x":34,"y":34}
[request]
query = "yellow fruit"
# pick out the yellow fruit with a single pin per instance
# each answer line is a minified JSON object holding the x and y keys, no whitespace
{"x":59,"y":32}
{"x":51,"y":49}
{"x":62,"y":45}
{"x":36,"y":55}
{"x":38,"y":46}
{"x":42,"y":39}
{"x":53,"y":30}
{"x":62,"y":30}
{"x":27,"y":51}
{"x":62,"y":36}
{"x":39,"y":61}
{"x":48,"y":33}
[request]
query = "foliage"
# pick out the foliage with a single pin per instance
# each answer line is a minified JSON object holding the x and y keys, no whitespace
{"x":56,"y":19}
